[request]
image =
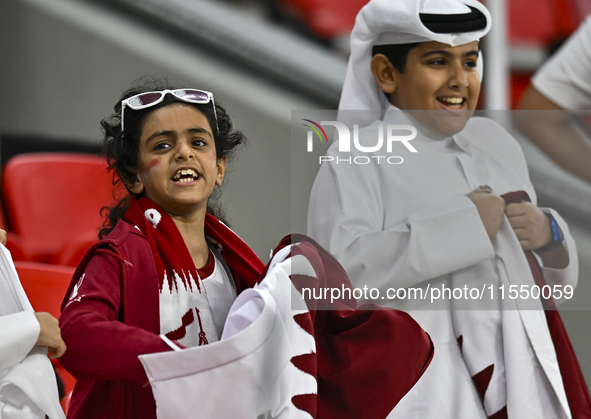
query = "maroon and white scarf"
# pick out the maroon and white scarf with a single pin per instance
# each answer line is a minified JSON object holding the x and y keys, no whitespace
{"x":177,"y":274}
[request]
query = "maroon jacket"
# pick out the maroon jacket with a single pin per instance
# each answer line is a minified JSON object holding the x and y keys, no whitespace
{"x":116,"y":320}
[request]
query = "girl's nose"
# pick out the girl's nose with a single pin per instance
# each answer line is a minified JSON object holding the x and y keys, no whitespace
{"x":184,"y":151}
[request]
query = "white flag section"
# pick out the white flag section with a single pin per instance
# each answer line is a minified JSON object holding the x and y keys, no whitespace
{"x":28,"y":389}
{"x":248,"y":373}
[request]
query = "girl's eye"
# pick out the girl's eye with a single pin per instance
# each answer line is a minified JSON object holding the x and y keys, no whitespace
{"x":470,"y":63}
{"x":199,"y":143}
{"x":161,"y":146}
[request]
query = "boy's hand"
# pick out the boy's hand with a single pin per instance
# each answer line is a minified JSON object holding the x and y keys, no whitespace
{"x":531,"y":225}
{"x":491,"y":209}
{"x":50,"y":335}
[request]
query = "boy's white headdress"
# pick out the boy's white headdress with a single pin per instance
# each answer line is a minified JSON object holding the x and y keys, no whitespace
{"x":383,"y":22}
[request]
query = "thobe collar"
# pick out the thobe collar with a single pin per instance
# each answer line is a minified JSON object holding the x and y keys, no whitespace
{"x":425,"y":139}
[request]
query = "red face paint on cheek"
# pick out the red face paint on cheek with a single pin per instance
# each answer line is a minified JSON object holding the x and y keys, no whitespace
{"x":154,"y":163}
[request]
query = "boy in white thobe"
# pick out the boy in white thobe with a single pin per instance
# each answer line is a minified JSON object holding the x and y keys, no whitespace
{"x":438,"y":221}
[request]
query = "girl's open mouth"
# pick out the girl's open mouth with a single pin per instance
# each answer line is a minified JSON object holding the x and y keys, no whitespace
{"x":185,"y":176}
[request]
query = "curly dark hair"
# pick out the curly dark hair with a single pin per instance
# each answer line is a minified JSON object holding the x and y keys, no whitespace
{"x":121,"y":148}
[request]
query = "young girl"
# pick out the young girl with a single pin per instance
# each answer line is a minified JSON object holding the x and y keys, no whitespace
{"x":154,"y":273}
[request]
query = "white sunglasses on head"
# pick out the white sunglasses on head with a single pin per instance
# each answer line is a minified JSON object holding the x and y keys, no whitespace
{"x":148,"y":99}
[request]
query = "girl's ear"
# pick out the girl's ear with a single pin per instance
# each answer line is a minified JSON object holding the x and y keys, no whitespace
{"x":138,"y":187}
{"x":221,"y":171}
{"x":384,"y":73}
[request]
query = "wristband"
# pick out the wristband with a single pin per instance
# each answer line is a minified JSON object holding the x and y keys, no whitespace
{"x":557,"y":236}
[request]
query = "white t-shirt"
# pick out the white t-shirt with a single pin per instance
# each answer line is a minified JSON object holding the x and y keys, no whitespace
{"x":180,"y":318}
{"x":565,"y":78}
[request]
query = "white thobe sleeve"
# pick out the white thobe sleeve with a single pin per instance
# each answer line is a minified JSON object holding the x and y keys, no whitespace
{"x":565,"y":78}
{"x":18,"y":334}
{"x":346,"y":215}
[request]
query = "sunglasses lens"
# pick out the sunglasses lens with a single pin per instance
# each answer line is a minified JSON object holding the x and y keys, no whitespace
{"x":145,"y":99}
{"x":192,"y":94}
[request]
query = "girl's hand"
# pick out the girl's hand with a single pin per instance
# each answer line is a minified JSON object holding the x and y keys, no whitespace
{"x":530,"y":224}
{"x":2,"y":236}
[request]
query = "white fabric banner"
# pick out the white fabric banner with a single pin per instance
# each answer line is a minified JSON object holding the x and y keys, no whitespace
{"x":248,"y":373}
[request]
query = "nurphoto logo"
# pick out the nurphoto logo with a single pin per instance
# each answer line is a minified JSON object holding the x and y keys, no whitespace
{"x":390,"y":134}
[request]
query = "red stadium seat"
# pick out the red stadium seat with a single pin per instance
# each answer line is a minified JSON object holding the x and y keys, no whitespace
{"x":46,"y":286}
{"x":538,"y":24}
{"x":326,"y":18}
{"x":541,"y":22}
{"x":52,"y":203}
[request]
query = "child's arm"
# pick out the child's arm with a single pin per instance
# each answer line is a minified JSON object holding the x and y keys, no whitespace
{"x":100,"y":345}
{"x":532,"y":228}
